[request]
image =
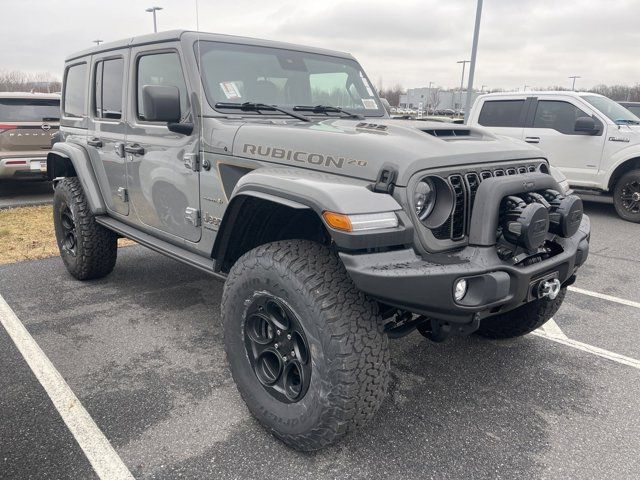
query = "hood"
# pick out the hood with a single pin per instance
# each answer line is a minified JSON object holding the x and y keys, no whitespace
{"x":361,"y":148}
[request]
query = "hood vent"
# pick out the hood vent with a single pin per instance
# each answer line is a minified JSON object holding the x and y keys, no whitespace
{"x":449,"y":133}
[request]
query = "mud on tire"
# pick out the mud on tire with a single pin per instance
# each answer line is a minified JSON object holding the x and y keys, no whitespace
{"x":522,"y":320}
{"x":349,"y":357}
{"x":88,"y":250}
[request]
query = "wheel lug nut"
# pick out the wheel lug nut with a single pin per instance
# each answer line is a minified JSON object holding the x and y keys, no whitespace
{"x":289,"y":336}
{"x":277,"y":346}
{"x":293,"y":353}
{"x":284,"y":358}
{"x":279,"y":332}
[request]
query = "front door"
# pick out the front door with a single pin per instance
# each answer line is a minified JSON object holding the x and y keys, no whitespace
{"x":107,"y":127}
{"x":164,"y":193}
{"x":576,"y":154}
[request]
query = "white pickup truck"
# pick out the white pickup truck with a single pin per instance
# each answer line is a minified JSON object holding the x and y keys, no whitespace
{"x":593,"y":140}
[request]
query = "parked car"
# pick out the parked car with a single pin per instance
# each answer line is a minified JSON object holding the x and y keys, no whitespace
{"x":633,"y":107}
{"x":275,"y":168}
{"x":593,"y":140}
{"x":28,"y":122}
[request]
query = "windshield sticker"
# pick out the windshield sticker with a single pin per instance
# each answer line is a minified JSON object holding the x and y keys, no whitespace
{"x":230,"y":90}
{"x":367,"y":85}
{"x":369,"y":104}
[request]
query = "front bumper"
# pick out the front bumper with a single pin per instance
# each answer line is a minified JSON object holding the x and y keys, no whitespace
{"x":23,"y":166}
{"x":425,"y":286}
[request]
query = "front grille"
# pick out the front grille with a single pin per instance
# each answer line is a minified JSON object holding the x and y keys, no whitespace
{"x":465,"y":186}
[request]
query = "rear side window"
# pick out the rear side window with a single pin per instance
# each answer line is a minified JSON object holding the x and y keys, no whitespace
{"x":635,"y":109}
{"x":501,"y":113}
{"x":108,"y":88}
{"x":557,"y":115}
{"x":29,"y":110}
{"x":75,"y":104}
{"x":161,"y":69}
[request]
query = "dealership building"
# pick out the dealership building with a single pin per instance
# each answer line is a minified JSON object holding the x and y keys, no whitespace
{"x":435,"y":98}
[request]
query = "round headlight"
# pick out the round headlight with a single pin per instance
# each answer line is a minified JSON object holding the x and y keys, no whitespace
{"x":424,"y":198}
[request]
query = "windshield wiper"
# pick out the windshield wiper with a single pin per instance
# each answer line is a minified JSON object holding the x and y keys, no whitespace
{"x":326,"y":109}
{"x":257,"y":107}
{"x":627,"y":121}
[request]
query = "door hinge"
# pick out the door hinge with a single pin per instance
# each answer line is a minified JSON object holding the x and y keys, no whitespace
{"x":191,"y":161}
{"x":192,"y":216}
{"x":123,"y":194}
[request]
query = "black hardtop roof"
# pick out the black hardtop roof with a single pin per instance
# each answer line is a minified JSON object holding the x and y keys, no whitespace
{"x":173,"y":35}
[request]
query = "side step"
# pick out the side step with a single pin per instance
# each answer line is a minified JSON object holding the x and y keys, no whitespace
{"x":160,"y":246}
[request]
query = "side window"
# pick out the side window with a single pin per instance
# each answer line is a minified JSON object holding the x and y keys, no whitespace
{"x":558,"y":115}
{"x":108,"y":88}
{"x":74,"y":101}
{"x":501,"y":113}
{"x":161,"y":69}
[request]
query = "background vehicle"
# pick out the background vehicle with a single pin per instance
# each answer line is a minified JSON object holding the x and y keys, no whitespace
{"x":593,"y":140}
{"x":633,"y":107}
{"x":28,"y":121}
{"x":333,"y":226}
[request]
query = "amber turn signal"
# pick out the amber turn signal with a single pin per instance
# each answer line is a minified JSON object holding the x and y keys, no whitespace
{"x":337,"y":221}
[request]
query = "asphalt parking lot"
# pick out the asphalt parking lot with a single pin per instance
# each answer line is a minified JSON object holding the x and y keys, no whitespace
{"x":142,"y":351}
{"x":25,"y":193}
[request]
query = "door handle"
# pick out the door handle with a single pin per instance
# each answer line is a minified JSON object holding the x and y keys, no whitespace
{"x":532,"y":139}
{"x":134,"y":148}
{"x":95,"y":142}
{"x":119,"y":149}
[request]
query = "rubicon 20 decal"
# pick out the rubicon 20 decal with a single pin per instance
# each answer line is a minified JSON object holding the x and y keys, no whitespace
{"x":300,"y":156}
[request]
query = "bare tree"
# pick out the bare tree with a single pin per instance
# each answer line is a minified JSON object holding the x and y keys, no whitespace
{"x":434,"y":98}
{"x":18,"y":81}
{"x":392,"y":94}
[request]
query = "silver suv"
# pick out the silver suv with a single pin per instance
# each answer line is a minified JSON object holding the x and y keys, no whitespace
{"x":275,"y":168}
{"x":28,"y":122}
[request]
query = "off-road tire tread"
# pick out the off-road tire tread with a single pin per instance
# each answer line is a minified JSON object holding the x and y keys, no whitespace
{"x":522,"y":320}
{"x":355,"y":345}
{"x":97,"y":249}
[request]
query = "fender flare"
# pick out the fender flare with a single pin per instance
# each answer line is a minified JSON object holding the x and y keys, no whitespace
{"x":79,"y":158}
{"x":627,"y":154}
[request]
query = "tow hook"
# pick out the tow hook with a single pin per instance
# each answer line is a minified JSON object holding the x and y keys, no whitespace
{"x":549,"y":288}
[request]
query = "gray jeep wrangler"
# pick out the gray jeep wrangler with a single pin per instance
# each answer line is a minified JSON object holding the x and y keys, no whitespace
{"x":275,"y":168}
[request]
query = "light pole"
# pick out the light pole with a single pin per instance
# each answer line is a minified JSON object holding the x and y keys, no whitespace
{"x":464,"y":64}
{"x":472,"y":67}
{"x":573,"y":87}
{"x":154,"y":10}
{"x":98,"y":41}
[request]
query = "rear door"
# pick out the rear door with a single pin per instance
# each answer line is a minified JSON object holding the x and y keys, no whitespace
{"x":504,"y":116}
{"x":26,"y":127}
{"x":163,"y":190}
{"x":107,"y":127}
{"x":552,"y":128}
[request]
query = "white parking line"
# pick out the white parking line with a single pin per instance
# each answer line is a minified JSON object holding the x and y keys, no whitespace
{"x":603,"y":296}
{"x":601,"y":352}
{"x":103,"y":458}
{"x":552,"y":329}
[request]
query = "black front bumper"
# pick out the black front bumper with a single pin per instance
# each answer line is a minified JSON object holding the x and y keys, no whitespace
{"x":425,"y":284}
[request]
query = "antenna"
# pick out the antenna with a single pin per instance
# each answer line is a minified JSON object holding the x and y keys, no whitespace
{"x":200,"y":86}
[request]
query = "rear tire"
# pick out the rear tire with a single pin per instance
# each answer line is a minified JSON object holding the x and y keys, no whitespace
{"x":342,"y":352}
{"x":522,"y":320}
{"x":88,"y":250}
{"x":626,"y":196}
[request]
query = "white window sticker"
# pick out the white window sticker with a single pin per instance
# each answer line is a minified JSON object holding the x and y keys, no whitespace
{"x":369,"y":104}
{"x":367,"y":85}
{"x":230,"y":90}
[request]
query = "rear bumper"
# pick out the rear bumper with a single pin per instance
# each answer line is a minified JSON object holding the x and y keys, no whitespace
{"x":425,"y":285}
{"x":23,"y":166}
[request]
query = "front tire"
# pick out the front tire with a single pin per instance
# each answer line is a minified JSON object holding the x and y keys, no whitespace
{"x":522,"y":320}
{"x":293,"y":303}
{"x":626,"y":196}
{"x":88,"y":250}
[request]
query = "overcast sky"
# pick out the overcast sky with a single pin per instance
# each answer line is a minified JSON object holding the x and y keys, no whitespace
{"x":412,"y":42}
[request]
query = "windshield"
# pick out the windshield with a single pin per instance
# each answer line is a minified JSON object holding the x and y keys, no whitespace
{"x":28,"y":110}
{"x":613,"y":110}
{"x":273,"y":76}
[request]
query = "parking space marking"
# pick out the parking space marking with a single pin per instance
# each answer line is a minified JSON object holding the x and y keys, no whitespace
{"x":102,"y":456}
{"x":601,"y":352}
{"x":552,"y":329}
{"x":603,"y":296}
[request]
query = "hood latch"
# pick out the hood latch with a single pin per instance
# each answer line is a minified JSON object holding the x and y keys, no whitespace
{"x":386,"y":180}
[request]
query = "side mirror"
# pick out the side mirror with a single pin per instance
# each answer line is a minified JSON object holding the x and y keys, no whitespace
{"x":161,"y":103}
{"x":586,"y":125}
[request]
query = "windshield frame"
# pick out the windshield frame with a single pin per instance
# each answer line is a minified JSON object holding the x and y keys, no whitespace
{"x":625,"y":114}
{"x":380,"y":112}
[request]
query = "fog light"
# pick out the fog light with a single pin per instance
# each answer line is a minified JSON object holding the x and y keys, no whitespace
{"x":460,"y":290}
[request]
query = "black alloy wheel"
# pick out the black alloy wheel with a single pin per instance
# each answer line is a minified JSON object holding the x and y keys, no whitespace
{"x":626,"y":196}
{"x":68,"y":223}
{"x":277,"y":348}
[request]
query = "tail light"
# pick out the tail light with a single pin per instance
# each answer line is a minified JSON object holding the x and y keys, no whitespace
{"x":4,"y":127}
